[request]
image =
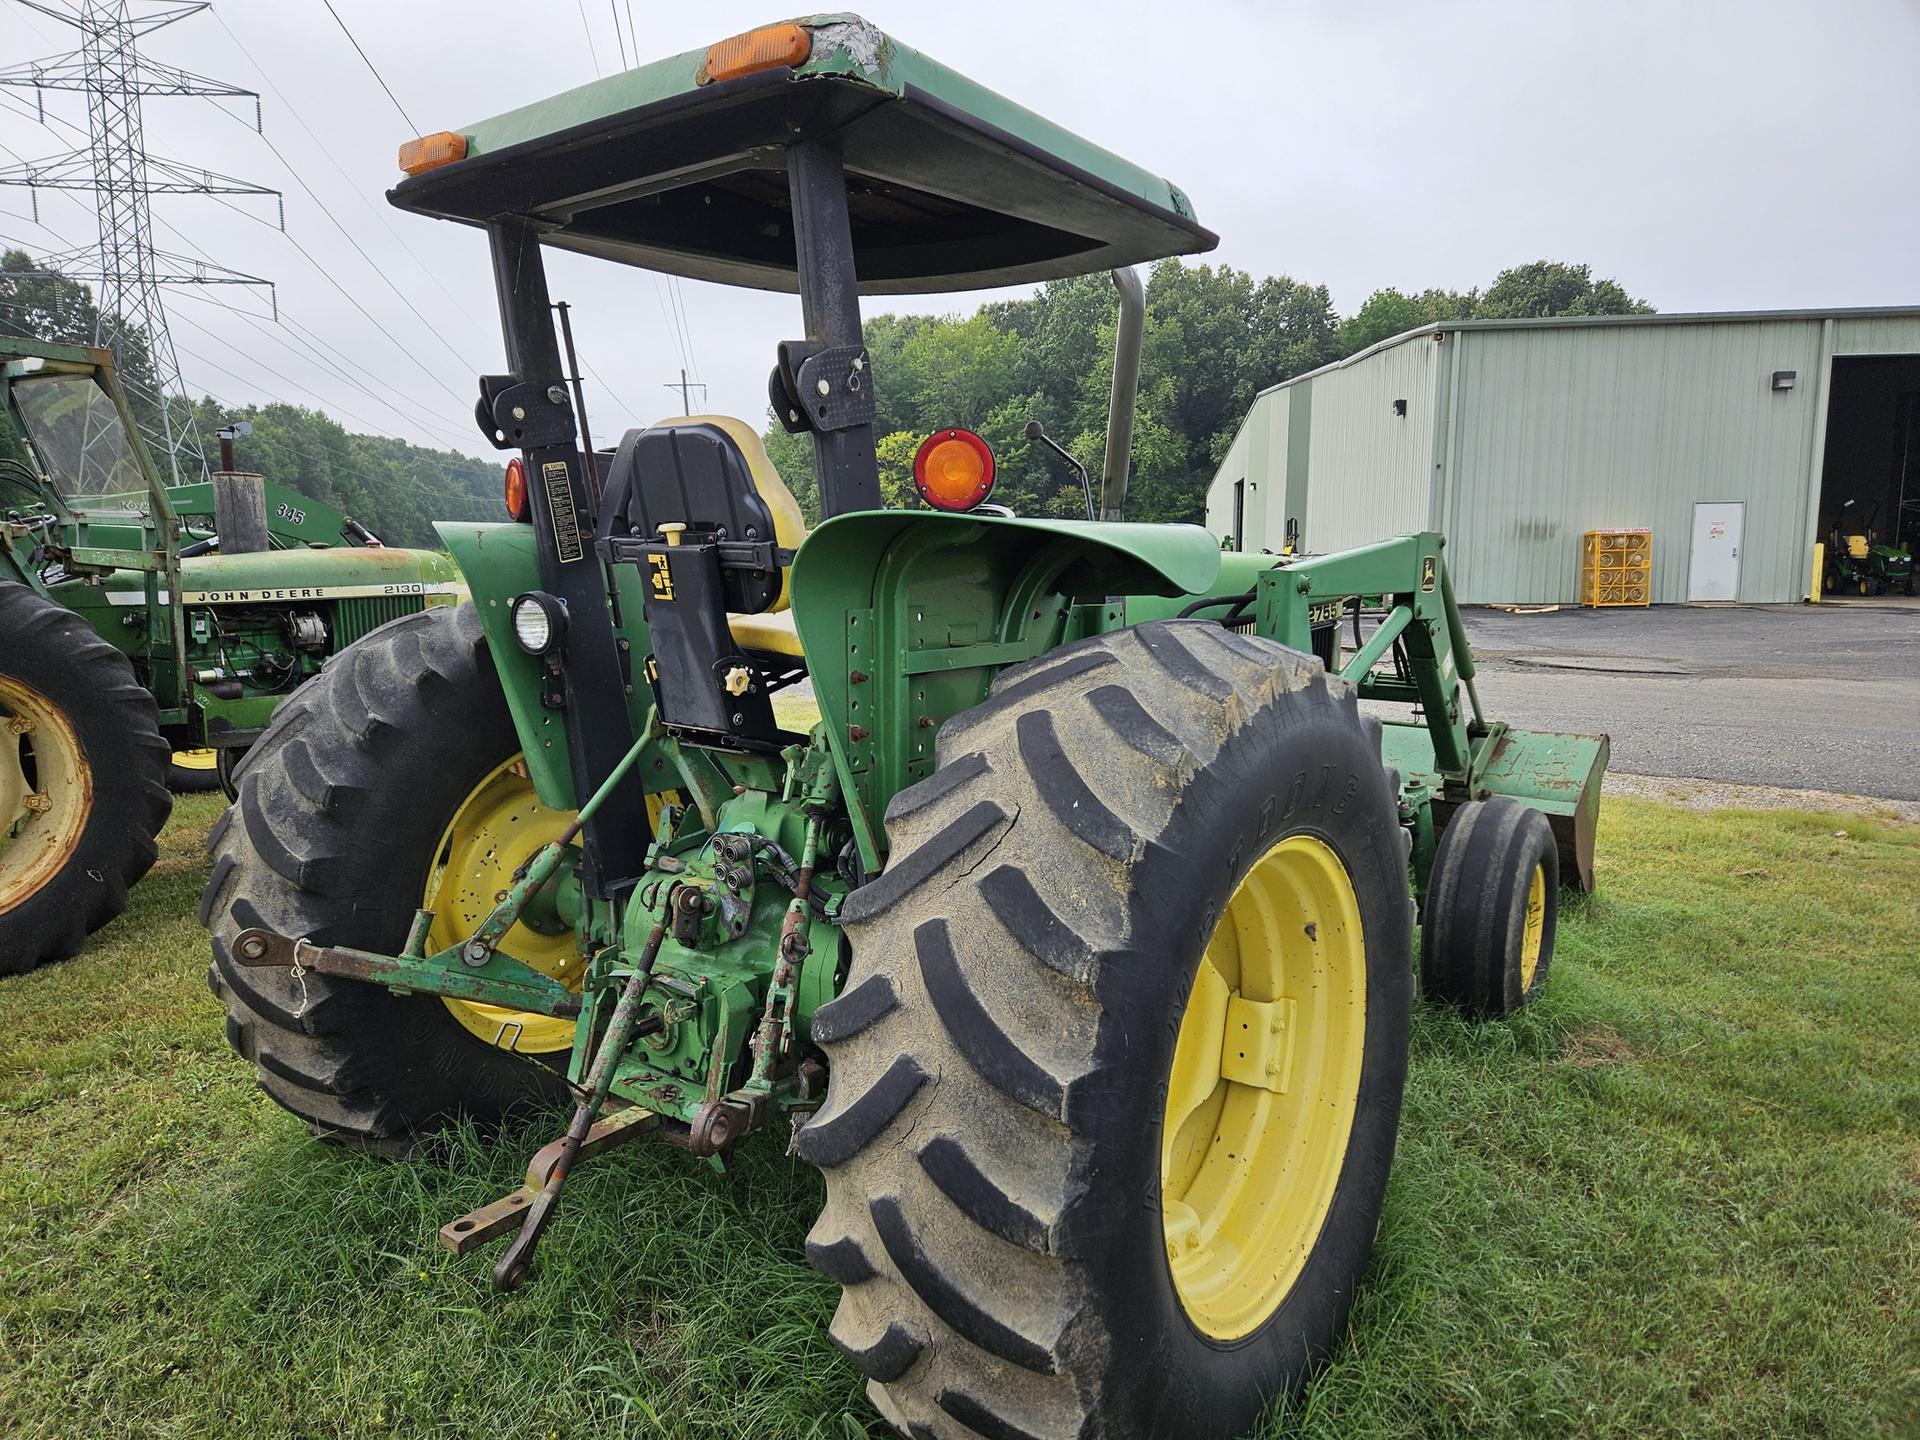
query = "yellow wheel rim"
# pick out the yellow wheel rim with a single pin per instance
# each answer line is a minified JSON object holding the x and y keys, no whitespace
{"x":46,"y":792}
{"x":1536,"y":928}
{"x":1265,"y":1080}
{"x":196,"y":759}
{"x":499,"y":825}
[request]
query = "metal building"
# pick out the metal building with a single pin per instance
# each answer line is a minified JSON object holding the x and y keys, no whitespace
{"x":1734,"y":437}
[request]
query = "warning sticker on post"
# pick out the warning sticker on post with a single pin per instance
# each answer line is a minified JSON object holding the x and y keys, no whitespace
{"x":566,"y":520}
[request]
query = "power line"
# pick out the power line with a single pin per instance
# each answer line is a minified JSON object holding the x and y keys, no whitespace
{"x":304,"y":349}
{"x":592,"y":49}
{"x":686,"y":326}
{"x":354,"y":187}
{"x":614,"y":8}
{"x":413,"y":128}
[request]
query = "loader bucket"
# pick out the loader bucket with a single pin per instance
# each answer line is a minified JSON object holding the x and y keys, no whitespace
{"x":1558,"y":775}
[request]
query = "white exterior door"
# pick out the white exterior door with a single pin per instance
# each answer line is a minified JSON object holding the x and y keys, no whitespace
{"x":1715,"y":571}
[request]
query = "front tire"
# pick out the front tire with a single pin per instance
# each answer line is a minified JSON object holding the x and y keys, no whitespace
{"x":194,"y":772}
{"x":343,"y":812}
{"x":82,"y":793}
{"x":1493,"y":898}
{"x":1018,"y":1128}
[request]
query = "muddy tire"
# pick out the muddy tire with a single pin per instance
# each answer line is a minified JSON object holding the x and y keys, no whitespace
{"x":82,"y":780}
{"x":1003,"y":1150}
{"x":1486,"y":936}
{"x":343,"y":804}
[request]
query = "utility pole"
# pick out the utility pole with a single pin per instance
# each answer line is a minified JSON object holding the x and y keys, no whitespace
{"x":686,"y":387}
{"x":128,"y":268}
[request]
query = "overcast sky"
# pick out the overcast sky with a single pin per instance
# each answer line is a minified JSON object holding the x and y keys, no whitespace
{"x":1712,"y":155}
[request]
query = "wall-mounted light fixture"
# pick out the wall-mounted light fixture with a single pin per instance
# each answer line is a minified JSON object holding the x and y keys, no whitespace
{"x":1783,"y":379}
{"x":1400,"y":407}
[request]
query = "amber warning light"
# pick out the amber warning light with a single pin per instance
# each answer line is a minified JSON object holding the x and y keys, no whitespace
{"x":516,"y":486}
{"x":953,"y":470}
{"x":431,"y":151}
{"x":767,"y":48}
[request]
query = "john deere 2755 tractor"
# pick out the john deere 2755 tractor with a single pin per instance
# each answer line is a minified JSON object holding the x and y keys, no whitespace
{"x":1074,"y":944}
{"x":140,"y":624}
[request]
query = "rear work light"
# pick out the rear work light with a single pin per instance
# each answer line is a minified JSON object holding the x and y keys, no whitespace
{"x":953,"y":470}
{"x":516,"y":488}
{"x":767,"y":48}
{"x":431,"y":151}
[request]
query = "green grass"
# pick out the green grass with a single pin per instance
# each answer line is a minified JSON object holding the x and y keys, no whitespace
{"x":1679,"y":1196}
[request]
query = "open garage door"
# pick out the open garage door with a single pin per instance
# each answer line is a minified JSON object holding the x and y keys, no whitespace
{"x":1872,"y":461}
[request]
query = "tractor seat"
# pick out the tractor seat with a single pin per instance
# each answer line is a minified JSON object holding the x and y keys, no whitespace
{"x":704,"y":471}
{"x":770,"y":633}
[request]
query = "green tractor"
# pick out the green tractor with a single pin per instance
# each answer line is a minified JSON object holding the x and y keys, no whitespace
{"x":147,"y":635}
{"x":1074,"y":943}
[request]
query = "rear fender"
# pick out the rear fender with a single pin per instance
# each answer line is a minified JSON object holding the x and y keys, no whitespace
{"x":906,"y":617}
{"x":498,"y":562}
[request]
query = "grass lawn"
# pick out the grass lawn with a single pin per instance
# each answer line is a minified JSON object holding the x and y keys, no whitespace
{"x":1679,"y":1196}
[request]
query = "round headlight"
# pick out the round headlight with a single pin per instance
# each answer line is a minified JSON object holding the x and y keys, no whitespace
{"x":539,"y":621}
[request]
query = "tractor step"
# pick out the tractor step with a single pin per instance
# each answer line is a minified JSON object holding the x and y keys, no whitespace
{"x":493,"y":1220}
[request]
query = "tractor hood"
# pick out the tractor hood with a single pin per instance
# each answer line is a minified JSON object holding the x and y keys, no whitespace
{"x":345,"y":573}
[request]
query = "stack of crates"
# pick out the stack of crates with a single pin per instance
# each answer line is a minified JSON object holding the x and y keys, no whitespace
{"x":1616,"y":567}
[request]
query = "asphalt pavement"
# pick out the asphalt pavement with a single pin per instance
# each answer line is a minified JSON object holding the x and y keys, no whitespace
{"x":1809,"y":697}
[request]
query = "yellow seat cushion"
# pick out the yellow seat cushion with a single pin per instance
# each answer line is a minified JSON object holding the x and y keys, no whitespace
{"x":771,"y":633}
{"x":789,"y":525}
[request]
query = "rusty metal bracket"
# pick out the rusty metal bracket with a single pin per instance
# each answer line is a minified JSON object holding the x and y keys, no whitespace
{"x":502,"y":980}
{"x":492,"y":1220}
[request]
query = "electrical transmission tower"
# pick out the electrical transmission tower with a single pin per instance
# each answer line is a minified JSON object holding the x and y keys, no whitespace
{"x":127,"y":266}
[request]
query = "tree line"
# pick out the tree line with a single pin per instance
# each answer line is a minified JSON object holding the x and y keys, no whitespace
{"x":1214,"y":338}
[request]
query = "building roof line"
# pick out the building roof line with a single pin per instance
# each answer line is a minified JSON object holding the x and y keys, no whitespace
{"x":1437,"y":328}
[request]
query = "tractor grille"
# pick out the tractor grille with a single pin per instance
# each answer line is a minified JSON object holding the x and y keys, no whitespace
{"x":354,"y":618}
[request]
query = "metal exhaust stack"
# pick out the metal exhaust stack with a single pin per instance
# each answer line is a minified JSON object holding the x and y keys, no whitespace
{"x":1126,"y":390}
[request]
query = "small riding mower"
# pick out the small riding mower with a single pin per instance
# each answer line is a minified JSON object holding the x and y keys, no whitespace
{"x":1074,"y":944}
{"x":1858,"y":561}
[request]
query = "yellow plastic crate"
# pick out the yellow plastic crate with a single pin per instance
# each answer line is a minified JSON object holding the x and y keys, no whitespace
{"x":1616,"y":567}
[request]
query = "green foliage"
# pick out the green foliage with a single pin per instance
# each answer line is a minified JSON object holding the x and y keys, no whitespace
{"x":1548,"y":287}
{"x":1214,"y":339}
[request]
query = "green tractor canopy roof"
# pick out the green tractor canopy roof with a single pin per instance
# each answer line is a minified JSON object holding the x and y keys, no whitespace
{"x":677,"y":166}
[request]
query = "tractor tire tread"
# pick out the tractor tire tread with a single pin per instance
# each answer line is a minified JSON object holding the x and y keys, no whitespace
{"x":56,"y":652}
{"x":953,"y":1206}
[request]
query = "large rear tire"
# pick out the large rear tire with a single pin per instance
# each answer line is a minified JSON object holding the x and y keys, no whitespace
{"x":345,"y":806}
{"x":82,"y":771}
{"x":1071,"y":1192}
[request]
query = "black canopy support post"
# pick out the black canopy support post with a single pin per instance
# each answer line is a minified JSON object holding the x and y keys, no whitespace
{"x":599,"y":725}
{"x":849,"y":470}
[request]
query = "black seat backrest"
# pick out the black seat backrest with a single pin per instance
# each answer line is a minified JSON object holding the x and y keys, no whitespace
{"x":693,"y":475}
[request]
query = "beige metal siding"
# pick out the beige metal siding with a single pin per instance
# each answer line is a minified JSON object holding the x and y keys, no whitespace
{"x":1877,"y":335}
{"x":1258,"y":457}
{"x":1368,"y":469}
{"x":1558,"y":431}
{"x":1232,"y":471}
